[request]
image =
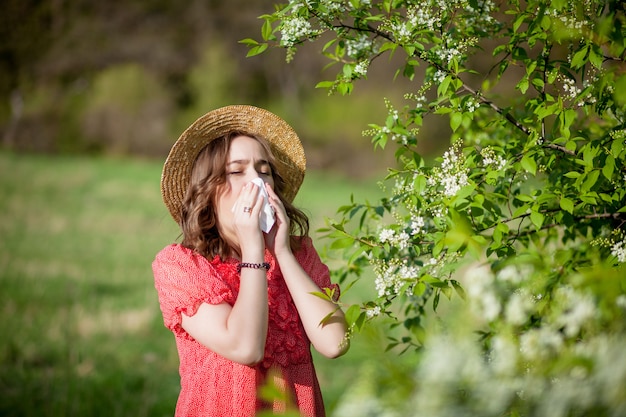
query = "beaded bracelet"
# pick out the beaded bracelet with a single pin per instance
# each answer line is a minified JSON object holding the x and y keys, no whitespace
{"x":263,"y":265}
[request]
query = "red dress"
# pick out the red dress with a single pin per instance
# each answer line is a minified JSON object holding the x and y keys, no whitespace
{"x":212,"y":385}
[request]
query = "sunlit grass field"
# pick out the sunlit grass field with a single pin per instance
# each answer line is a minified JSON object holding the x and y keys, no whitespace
{"x":81,"y":329}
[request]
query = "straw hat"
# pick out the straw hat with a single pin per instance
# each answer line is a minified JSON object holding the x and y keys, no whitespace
{"x":283,"y":140}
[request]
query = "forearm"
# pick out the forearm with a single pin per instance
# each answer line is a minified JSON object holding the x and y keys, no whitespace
{"x":236,"y":332}
{"x":328,"y":338}
{"x":247,"y":321}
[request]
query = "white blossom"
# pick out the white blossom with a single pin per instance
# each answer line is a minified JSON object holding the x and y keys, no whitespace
{"x":509,"y":274}
{"x":577,"y":310}
{"x":570,"y":88}
{"x":439,"y":76}
{"x":390,"y":278}
{"x":293,"y":29}
{"x":360,"y":69}
{"x":355,"y":47}
{"x":491,"y":159}
{"x":403,"y":240}
{"x":540,"y":343}
{"x":503,"y":355}
{"x":417,"y":224}
{"x":484,"y":302}
{"x":518,"y":308}
{"x":452,"y":175}
{"x":386,"y":235}
{"x":373,"y":312}
{"x":619,"y":248}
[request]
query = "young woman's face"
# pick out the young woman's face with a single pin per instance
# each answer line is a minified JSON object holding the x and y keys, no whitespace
{"x":246,"y":161}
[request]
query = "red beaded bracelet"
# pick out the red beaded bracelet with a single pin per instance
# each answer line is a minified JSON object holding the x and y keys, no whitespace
{"x":263,"y":265}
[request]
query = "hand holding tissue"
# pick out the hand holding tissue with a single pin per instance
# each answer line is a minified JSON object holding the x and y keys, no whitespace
{"x":267,"y":212}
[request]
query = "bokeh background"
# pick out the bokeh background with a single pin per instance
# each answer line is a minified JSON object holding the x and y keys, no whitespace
{"x":92,"y":96}
{"x":125,"y":78}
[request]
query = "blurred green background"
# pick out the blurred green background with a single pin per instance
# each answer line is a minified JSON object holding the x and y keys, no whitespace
{"x":92,"y":96}
{"x":82,"y":329}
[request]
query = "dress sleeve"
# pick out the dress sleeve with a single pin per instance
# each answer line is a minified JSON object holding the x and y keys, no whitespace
{"x":184,"y":280}
{"x":318,"y":271}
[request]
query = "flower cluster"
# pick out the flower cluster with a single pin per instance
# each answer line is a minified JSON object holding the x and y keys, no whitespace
{"x":393,"y":276}
{"x":471,"y":104}
{"x":360,"y":45}
{"x":425,"y":17}
{"x":615,"y":243}
{"x":491,"y":159}
{"x":399,"y":240}
{"x":479,"y":17}
{"x":619,"y":251}
{"x":360,"y":69}
{"x":568,"y":18}
{"x":293,"y":29}
{"x":453,"y":174}
{"x":572,"y":91}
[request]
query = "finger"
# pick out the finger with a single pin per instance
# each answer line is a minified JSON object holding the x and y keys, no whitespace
{"x":247,"y":198}
{"x":258,"y":205}
{"x":273,"y":197}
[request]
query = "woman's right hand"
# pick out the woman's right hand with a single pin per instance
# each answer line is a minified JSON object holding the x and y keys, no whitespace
{"x":247,"y":212}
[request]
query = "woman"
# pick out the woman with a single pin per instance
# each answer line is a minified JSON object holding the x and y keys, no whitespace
{"x":239,"y":300}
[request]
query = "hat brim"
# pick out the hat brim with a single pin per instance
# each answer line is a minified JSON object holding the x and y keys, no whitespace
{"x":284,"y":142}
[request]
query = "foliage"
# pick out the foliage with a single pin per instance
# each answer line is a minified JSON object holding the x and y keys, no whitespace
{"x":125,"y":111}
{"x":523,"y":217}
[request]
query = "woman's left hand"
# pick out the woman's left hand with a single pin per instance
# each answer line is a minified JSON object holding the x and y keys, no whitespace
{"x":277,"y":240}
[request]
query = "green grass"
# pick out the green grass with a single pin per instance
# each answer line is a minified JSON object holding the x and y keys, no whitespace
{"x":82,"y":330}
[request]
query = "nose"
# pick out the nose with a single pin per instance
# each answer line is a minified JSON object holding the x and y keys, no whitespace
{"x":254,"y":174}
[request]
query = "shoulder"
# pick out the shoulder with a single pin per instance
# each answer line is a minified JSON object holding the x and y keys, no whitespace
{"x":174,"y":251}
{"x":179,"y":257}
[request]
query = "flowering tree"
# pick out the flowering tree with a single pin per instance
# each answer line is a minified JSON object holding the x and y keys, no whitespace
{"x":523,"y":217}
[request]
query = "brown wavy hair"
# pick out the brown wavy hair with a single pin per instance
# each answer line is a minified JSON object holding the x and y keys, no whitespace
{"x":199,"y":221}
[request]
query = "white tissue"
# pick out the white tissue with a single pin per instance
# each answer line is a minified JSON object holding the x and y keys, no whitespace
{"x":267,"y":212}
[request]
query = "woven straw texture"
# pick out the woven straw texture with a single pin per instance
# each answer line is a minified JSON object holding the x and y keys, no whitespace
{"x":284,"y":142}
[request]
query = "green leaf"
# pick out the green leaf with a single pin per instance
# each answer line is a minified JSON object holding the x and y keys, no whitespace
{"x":256,"y":50}
{"x":325,"y":84}
{"x":596,"y":57}
{"x":578,"y":60}
{"x":609,"y":166}
{"x":266,"y":30}
{"x":455,"y":120}
{"x":529,"y":164}
{"x":342,"y":243}
{"x":523,"y":85}
{"x":521,"y":210}
{"x":388,"y":46}
{"x":249,"y":42}
{"x":459,"y":290}
{"x":537,"y":219}
{"x":590,"y":181}
{"x":352,"y":314}
{"x":436,"y":300}
{"x":518,"y":22}
{"x":567,"y":204}
{"x":443,"y":87}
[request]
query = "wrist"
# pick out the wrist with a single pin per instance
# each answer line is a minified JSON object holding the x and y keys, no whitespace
{"x":253,"y":265}
{"x":284,"y":255}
